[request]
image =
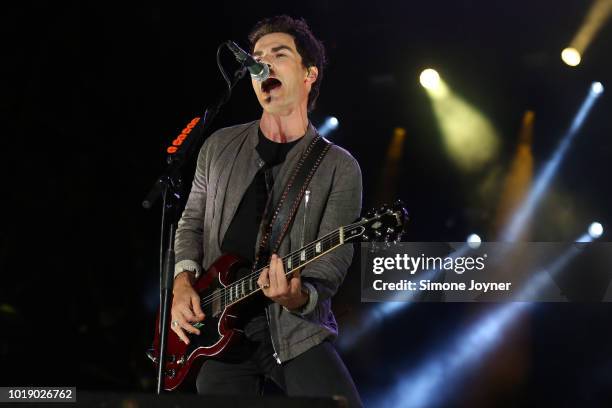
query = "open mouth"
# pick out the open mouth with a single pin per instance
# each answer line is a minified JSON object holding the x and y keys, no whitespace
{"x":269,"y":84}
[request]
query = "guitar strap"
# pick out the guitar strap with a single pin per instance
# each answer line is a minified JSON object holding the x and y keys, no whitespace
{"x":281,"y":218}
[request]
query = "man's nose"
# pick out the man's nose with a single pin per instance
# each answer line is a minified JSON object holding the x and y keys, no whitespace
{"x":270,"y":67}
{"x":266,"y":61}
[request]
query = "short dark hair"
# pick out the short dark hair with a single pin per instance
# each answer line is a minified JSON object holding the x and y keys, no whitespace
{"x":308,"y":46}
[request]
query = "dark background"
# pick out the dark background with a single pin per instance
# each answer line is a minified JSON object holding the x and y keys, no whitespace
{"x":92,"y":92}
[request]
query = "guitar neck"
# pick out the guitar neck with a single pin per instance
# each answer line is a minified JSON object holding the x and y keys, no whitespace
{"x":248,"y":285}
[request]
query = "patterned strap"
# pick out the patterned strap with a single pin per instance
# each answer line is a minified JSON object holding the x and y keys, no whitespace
{"x":284,"y":212}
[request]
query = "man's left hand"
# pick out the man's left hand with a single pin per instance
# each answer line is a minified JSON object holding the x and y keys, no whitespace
{"x":275,"y":286}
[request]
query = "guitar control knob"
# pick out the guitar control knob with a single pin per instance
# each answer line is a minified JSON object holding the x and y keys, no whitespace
{"x":151,"y":355}
{"x":378,"y":234}
{"x":366,"y":237}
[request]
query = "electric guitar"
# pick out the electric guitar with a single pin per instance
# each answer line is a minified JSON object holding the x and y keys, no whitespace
{"x":225,"y":300}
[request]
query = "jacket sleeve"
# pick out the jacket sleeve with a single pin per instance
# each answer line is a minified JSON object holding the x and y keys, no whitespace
{"x":188,"y":243}
{"x":325,"y":275}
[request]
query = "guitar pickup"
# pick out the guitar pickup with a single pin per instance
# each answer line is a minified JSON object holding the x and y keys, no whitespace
{"x":216,"y":303}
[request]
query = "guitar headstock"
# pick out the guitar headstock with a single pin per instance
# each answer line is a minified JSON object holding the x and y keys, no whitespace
{"x":386,"y":224}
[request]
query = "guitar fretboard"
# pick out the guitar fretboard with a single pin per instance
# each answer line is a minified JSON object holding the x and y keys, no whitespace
{"x":248,"y":285}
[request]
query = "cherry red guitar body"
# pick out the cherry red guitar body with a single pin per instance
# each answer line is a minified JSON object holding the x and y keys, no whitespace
{"x":229,"y":303}
{"x":219,"y":330}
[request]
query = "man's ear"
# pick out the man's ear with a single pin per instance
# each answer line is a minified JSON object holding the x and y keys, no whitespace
{"x":312,"y":73}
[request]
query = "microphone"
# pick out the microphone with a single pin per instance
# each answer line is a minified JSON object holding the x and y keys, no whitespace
{"x":259,"y":71}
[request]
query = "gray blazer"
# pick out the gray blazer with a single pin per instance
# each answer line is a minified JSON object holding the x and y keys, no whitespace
{"x":227,"y":164}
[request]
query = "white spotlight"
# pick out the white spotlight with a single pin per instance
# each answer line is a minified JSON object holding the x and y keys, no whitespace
{"x":570,"y":56}
{"x":430,"y":79}
{"x":473,"y":241}
{"x":330,"y":124}
{"x":333,"y":122}
{"x":595,"y":230}
{"x":597,"y":88}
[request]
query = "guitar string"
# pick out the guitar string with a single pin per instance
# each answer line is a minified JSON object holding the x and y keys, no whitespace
{"x":224,"y":291}
{"x":308,"y":249}
{"x":326,"y":239}
{"x":225,"y":294}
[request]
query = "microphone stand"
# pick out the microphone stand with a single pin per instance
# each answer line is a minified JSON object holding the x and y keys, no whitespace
{"x":169,"y":187}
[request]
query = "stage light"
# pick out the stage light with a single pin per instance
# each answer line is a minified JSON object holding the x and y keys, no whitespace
{"x":473,"y":241}
{"x":333,"y":122}
{"x":469,"y":136}
{"x":596,"y":17}
{"x":380,"y":312}
{"x":597,"y":88}
{"x":430,"y":79}
{"x":391,"y":169}
{"x":439,"y":377}
{"x":520,"y":219}
{"x":595,"y":230}
{"x":520,"y":176}
{"x":570,"y":56}
{"x":330,"y":124}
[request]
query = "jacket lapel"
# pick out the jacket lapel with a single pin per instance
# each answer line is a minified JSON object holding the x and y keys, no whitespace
{"x":234,"y":180}
{"x":240,"y":165}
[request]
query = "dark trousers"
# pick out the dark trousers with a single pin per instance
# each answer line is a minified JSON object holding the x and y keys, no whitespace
{"x":318,"y":372}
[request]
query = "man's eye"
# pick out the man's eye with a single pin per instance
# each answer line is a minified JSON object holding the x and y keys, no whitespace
{"x":280,"y":55}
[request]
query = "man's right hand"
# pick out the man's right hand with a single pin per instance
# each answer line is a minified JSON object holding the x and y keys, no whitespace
{"x":186,"y":308}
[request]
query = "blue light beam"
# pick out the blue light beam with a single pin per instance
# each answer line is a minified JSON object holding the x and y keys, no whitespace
{"x":330,"y":124}
{"x":385,"y":310}
{"x":521,"y":217}
{"x":436,"y":380}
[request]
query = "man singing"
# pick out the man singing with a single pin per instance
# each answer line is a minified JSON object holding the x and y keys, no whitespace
{"x":290,"y":339}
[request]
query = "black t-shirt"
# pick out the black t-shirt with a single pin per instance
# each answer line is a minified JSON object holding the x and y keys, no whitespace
{"x":241,"y":236}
